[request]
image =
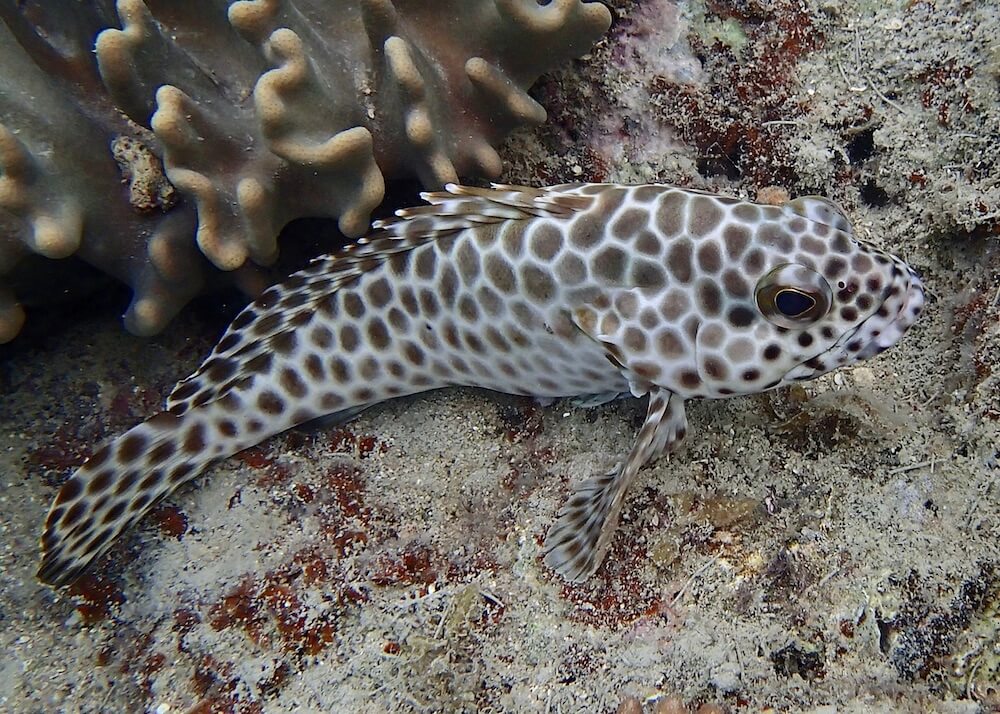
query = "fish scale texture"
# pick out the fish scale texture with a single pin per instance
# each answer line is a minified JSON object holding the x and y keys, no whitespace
{"x":156,"y":141}
{"x":573,"y":290}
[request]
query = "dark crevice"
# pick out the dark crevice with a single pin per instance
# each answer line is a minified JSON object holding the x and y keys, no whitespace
{"x":861,"y":146}
{"x":874,"y":195}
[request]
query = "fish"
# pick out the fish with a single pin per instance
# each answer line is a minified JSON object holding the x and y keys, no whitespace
{"x":592,"y":291}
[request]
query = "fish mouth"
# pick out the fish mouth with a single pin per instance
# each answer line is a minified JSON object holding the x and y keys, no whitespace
{"x":907,"y":312}
{"x":876,"y":334}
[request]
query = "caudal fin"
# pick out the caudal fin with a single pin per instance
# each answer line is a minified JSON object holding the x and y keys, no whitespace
{"x":116,"y":486}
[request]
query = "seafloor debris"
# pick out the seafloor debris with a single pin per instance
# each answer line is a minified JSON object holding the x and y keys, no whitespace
{"x":922,"y":637}
{"x":738,"y":120}
{"x":123,"y":135}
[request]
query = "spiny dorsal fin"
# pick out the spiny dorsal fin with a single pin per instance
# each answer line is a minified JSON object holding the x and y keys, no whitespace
{"x":285,"y":307}
{"x":461,"y":207}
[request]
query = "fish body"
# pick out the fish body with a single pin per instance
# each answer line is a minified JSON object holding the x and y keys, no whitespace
{"x":583,"y":290}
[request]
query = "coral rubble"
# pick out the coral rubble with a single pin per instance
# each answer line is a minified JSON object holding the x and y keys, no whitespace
{"x":125,"y":131}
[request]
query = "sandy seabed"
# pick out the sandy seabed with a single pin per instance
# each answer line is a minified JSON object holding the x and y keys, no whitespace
{"x":829,"y":549}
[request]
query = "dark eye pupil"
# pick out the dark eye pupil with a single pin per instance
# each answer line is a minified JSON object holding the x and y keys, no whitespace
{"x":792,"y":303}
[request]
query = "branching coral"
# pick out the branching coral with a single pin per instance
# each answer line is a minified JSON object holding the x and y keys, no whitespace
{"x":225,"y":120}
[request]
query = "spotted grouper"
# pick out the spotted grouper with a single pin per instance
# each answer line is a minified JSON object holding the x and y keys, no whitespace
{"x":592,"y":291}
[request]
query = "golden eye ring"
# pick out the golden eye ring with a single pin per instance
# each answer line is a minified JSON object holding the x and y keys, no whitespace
{"x":793,"y":296}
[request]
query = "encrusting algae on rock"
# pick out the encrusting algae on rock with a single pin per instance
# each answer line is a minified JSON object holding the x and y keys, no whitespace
{"x":592,"y":291}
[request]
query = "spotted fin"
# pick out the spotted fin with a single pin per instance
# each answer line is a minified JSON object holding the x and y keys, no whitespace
{"x":461,"y":207}
{"x":605,"y":319}
{"x":113,"y":489}
{"x":116,"y":486}
{"x":577,"y":543}
{"x":590,"y":401}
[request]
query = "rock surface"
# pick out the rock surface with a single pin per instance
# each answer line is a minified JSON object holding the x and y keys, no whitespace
{"x":832,"y":548}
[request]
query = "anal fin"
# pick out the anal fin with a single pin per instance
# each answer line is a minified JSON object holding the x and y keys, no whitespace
{"x":333,"y":419}
{"x":589,"y":401}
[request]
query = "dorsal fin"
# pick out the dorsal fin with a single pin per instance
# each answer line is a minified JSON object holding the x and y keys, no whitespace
{"x":460,"y":207}
{"x":285,"y":307}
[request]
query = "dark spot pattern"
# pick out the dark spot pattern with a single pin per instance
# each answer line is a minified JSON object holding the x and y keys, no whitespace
{"x":321,"y":337}
{"x":848,"y":313}
{"x":512,"y":238}
{"x":609,"y":264}
{"x":368,"y":369}
{"x":467,"y":260}
{"x":648,"y":244}
{"x":704,"y":216}
{"x":100,"y":482}
{"x":690,"y":380}
{"x":243,"y":319}
{"x":747,"y":212}
{"x":194,"y":439}
{"x":674,"y":305}
{"x":735,"y":285}
{"x":679,"y":261}
{"x":546,"y":242}
{"x":500,"y":274}
{"x":716,"y":369}
{"x":270,"y":403}
{"x":284,"y":343}
{"x":571,"y":270}
{"x":398,"y":320}
{"x":131,"y":448}
{"x":741,"y":316}
{"x":292,"y":383}
{"x":709,"y":297}
{"x":586,"y":231}
{"x":629,"y":223}
{"x":538,"y":285}
{"x":425,"y":265}
{"x":709,"y":257}
{"x":448,"y":286}
{"x":670,"y":344}
{"x":151,"y":481}
{"x":379,"y":293}
{"x":378,"y":334}
{"x":736,"y":239}
{"x":186,"y":390}
{"x":267,"y":324}
{"x":671,"y":213}
{"x":349,"y":338}
{"x":160,"y":453}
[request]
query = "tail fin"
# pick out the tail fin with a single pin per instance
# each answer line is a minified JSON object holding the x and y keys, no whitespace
{"x":118,"y":484}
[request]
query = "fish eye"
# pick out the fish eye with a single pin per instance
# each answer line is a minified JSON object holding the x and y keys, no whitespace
{"x":793,"y":296}
{"x":793,"y":303}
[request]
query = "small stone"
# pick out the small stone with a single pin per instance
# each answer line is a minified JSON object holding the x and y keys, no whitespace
{"x":773,"y":195}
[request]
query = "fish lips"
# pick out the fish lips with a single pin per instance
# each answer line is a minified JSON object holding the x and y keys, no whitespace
{"x":907,"y":312}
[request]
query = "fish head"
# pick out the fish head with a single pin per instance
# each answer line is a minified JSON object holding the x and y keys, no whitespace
{"x":837,"y":306}
{"x":804,"y":297}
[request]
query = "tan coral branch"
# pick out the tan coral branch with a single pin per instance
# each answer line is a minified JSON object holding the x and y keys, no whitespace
{"x":248,"y":114}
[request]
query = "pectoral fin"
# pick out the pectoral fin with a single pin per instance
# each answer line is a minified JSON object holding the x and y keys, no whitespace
{"x":577,"y":543}
{"x":611,"y":318}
